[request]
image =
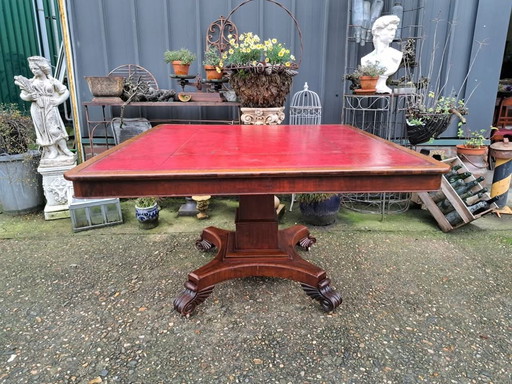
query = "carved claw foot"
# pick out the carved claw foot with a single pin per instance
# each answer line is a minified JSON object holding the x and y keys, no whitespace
{"x":204,"y":245}
{"x":190,"y":298}
{"x":307,"y":242}
{"x":324,"y":293}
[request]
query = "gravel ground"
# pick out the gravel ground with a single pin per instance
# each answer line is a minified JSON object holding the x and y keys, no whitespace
{"x":420,"y":306}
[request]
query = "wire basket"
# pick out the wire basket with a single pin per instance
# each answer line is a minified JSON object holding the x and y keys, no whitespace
{"x":263,"y":84}
{"x":433,"y":125}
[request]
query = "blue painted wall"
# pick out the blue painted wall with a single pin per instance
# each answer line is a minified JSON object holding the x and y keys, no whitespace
{"x":109,"y":33}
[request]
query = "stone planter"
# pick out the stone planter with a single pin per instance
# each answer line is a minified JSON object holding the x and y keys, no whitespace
{"x":20,"y":184}
{"x":262,"y":116}
{"x":105,"y":86}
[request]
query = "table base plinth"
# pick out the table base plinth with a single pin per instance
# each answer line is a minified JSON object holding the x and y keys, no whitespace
{"x":230,"y":263}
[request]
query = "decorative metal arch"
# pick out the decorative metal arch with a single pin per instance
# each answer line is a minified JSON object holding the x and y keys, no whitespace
{"x":217,"y":33}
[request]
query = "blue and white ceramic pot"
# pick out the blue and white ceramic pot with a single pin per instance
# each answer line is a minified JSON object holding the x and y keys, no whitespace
{"x":147,"y":216}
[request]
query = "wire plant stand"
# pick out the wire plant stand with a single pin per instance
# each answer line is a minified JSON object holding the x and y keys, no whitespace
{"x":382,"y":115}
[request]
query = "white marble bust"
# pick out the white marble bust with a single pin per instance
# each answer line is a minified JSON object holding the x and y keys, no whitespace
{"x":384,"y":30}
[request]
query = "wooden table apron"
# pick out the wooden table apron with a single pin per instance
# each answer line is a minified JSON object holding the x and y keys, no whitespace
{"x":254,"y":162}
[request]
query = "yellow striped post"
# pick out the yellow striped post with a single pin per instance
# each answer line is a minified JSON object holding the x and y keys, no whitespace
{"x":502,"y":152}
{"x":501,"y":181}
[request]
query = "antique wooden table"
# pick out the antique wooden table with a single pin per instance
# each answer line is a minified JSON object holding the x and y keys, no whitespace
{"x":254,"y":162}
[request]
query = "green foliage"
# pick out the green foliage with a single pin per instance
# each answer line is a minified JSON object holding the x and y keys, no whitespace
{"x":415,"y":121}
{"x":473,"y":139}
{"x":145,"y":202}
{"x":212,"y":57}
{"x":445,"y":105}
{"x":371,"y":69}
{"x":434,"y":107}
{"x":310,"y":198}
{"x":184,"y":55}
{"x":17,"y":134}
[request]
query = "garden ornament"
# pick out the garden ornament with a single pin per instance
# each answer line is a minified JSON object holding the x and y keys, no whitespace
{"x":384,"y":31}
{"x":46,"y":93}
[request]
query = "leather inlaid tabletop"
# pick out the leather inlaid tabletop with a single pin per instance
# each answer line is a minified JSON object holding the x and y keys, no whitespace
{"x":173,"y":152}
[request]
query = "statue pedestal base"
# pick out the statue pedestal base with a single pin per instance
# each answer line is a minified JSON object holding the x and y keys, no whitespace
{"x":57,"y":191}
{"x":262,"y":116}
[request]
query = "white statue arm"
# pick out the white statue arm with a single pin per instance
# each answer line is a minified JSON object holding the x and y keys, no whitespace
{"x":28,"y":92}
{"x":61,"y":92}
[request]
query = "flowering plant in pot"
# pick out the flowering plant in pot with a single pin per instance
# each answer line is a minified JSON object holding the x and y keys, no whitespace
{"x":260,"y":72}
{"x":180,"y":60}
{"x":213,"y":64}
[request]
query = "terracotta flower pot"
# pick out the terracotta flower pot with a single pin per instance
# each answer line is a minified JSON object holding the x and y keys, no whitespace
{"x":462,"y":149}
{"x":212,"y":73}
{"x":180,"y":69}
{"x":368,"y":82}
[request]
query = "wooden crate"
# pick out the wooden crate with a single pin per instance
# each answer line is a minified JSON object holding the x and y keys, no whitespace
{"x":455,"y":199}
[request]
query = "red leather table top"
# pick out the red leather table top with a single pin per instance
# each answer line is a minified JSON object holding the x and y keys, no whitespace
{"x":181,"y":160}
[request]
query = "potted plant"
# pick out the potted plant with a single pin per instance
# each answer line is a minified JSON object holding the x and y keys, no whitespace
{"x":180,"y":60}
{"x":432,"y":104}
{"x":20,"y":184}
{"x":319,"y":208}
{"x":428,"y":117}
{"x":147,"y":212}
{"x":212,"y":64}
{"x":261,"y":72}
{"x":474,"y":141}
{"x":474,"y":151}
{"x":365,"y":77}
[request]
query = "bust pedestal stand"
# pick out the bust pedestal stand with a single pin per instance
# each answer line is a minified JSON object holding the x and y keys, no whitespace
{"x":262,"y":116}
{"x":57,"y":190}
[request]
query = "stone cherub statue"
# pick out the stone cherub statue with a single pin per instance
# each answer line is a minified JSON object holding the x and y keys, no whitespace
{"x":384,"y":31}
{"x":46,"y":93}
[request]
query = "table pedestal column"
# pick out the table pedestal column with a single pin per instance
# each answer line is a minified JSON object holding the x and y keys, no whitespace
{"x":256,"y":248}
